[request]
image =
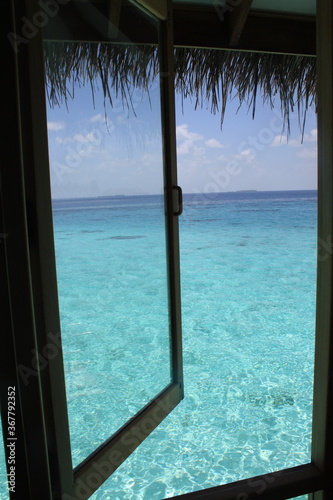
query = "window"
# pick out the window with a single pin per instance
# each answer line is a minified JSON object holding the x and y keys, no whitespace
{"x":125,"y":305}
{"x":29,"y":259}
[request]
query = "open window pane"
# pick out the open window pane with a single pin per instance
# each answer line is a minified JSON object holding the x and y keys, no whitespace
{"x":106,"y":165}
{"x":113,"y":309}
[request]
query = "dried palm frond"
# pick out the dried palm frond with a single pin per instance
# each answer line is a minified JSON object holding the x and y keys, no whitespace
{"x":118,"y":68}
{"x":214,"y":76}
{"x":210,"y":76}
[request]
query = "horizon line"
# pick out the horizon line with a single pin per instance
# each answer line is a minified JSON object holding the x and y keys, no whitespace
{"x":240,"y":191}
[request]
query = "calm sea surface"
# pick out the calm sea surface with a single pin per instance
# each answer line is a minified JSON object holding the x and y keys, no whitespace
{"x":248,"y":265}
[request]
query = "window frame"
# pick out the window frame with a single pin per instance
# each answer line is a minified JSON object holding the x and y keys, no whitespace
{"x":27,"y":254}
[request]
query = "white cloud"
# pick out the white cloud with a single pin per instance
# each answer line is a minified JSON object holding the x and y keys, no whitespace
{"x":55,"y":125}
{"x":312,"y":137}
{"x":214,"y":143}
{"x":282,"y":140}
{"x":64,"y":140}
{"x":247,"y":154}
{"x":91,"y":137}
{"x":308,"y":153}
{"x":187,"y":140}
{"x":97,"y":118}
{"x":279,"y":140}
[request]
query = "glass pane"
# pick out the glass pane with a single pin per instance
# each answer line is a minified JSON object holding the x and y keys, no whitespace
{"x":107,"y":189}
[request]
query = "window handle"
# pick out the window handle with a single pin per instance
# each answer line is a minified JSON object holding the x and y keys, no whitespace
{"x":177,"y":200}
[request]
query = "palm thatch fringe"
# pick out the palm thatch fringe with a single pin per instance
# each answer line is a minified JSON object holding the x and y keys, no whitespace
{"x":210,"y":76}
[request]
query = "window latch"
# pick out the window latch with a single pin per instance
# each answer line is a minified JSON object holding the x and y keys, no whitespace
{"x":177,"y":200}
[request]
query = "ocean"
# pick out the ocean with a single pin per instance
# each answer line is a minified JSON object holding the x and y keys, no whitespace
{"x":248,"y":280}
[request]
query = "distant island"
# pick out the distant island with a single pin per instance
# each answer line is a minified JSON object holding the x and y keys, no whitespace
{"x":112,"y":196}
{"x":247,"y":191}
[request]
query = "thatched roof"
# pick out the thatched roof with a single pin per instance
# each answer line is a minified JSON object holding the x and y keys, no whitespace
{"x":209,"y":76}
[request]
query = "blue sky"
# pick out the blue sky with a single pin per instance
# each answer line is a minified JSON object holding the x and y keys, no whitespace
{"x":93,"y":153}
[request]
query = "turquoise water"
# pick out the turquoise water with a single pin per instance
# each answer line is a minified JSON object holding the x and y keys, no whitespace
{"x":248,"y":291}
{"x":248,"y":265}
